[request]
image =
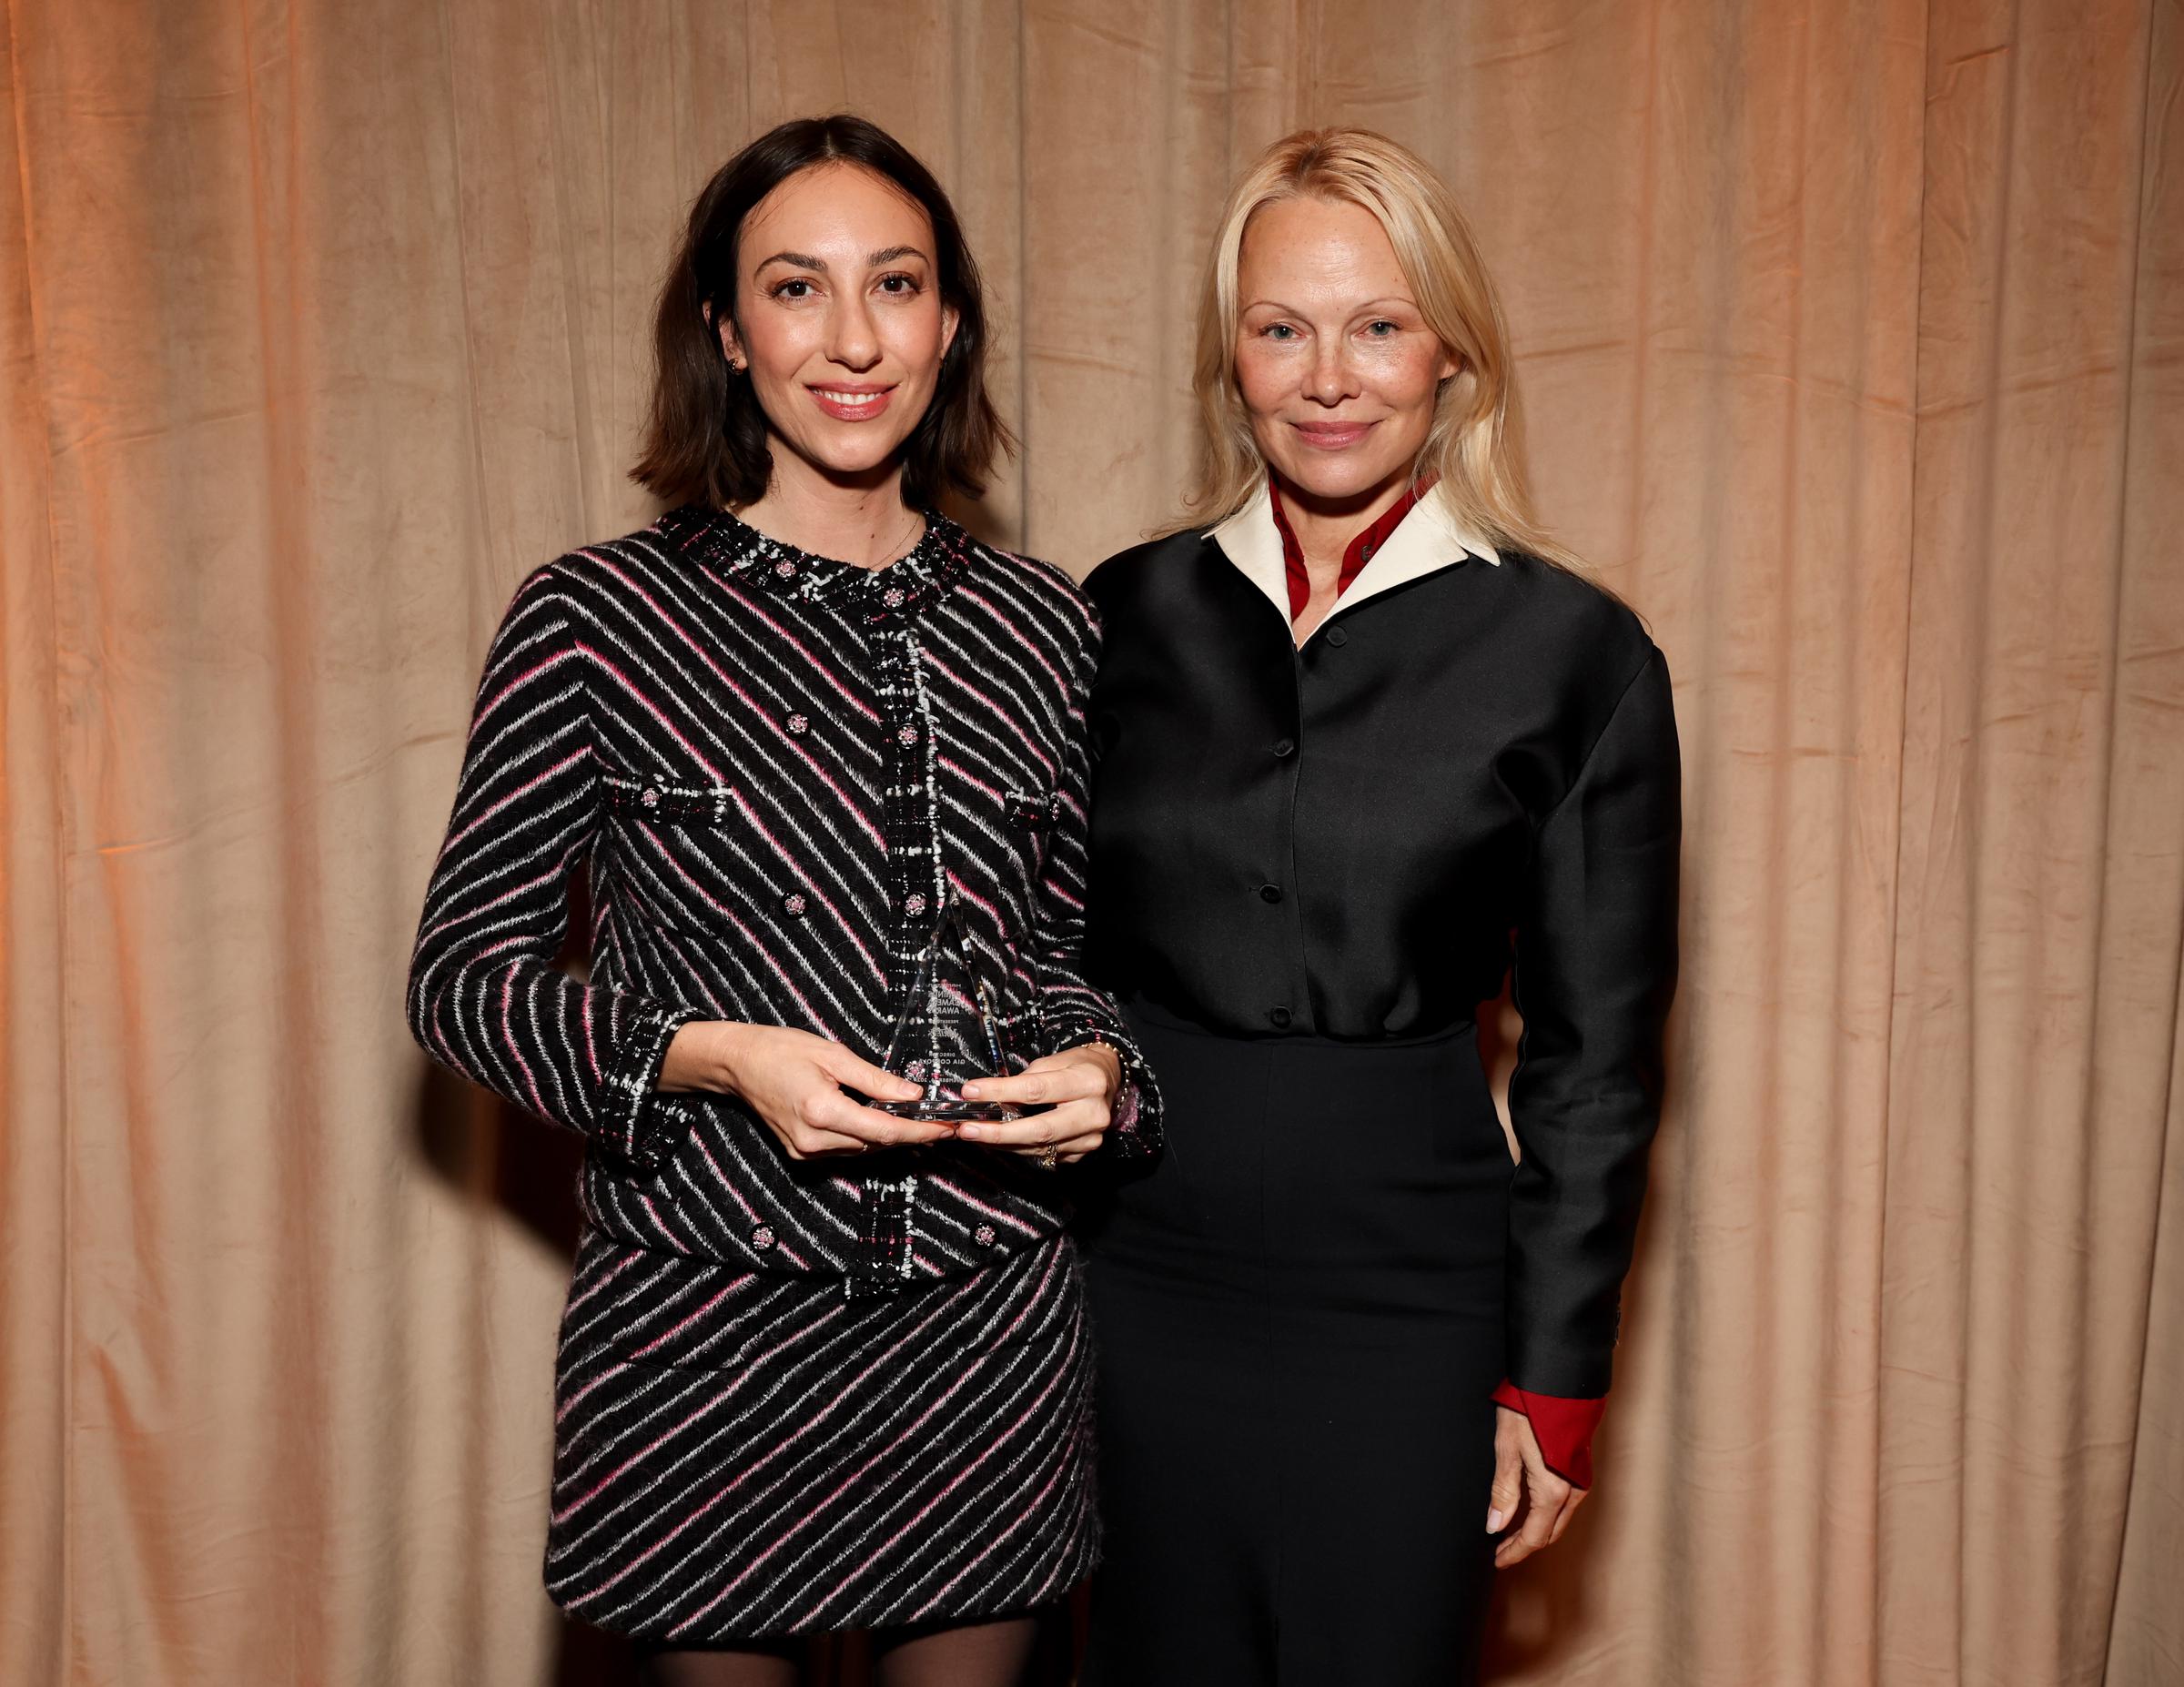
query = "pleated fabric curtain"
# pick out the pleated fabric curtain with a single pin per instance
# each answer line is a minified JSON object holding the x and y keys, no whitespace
{"x":1852,"y":343}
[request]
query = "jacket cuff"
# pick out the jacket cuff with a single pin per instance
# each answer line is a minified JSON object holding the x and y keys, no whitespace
{"x":1563,"y":1426}
{"x":635,"y":1121}
{"x":1134,"y":1132}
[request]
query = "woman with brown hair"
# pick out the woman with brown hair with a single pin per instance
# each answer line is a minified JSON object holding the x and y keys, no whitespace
{"x":1355,"y":727}
{"x":823,"y":1364}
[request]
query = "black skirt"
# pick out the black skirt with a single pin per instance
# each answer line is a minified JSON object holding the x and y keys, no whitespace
{"x":739,"y":1455}
{"x":1299,"y":1321}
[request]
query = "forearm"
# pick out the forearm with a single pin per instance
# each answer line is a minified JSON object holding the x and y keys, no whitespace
{"x":1596,"y":972}
{"x":582,"y":1056}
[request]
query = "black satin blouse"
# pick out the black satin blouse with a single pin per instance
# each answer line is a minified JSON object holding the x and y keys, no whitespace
{"x":1341,"y":841}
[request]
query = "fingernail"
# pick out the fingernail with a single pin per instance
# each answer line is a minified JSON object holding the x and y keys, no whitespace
{"x":971,"y":1092}
{"x":1495,"y":1518}
{"x":972,"y":1131}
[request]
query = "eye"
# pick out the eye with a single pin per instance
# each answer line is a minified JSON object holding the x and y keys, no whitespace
{"x":803,"y":289}
{"x":1383,"y":328}
{"x":1278,"y":330}
{"x":900,"y":286}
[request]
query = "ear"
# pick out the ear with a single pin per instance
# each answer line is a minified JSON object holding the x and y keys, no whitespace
{"x":731,"y":348}
{"x":1451,"y":366}
{"x":950,"y":317}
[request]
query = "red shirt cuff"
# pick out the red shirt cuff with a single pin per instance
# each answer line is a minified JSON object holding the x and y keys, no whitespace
{"x":1564,"y":1429}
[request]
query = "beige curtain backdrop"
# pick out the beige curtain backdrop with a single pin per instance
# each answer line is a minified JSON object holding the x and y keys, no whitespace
{"x":1853,"y":342}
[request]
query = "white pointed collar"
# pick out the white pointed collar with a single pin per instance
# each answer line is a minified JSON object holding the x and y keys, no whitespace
{"x":1430,"y":538}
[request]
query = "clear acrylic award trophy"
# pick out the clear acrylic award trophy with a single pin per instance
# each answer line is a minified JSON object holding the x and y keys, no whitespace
{"x":949,"y":1029}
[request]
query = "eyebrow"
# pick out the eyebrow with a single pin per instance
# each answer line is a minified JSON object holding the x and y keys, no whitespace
{"x":1370,"y":304}
{"x":803,"y":260}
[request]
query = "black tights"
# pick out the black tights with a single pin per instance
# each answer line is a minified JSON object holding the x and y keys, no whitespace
{"x":969,"y":1654}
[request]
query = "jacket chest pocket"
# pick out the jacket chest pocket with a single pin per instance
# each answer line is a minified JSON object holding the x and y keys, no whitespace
{"x":1032,"y":812}
{"x":634,"y":798}
{"x":1027,"y":829}
{"x":681,"y":852}
{"x":997,"y":844}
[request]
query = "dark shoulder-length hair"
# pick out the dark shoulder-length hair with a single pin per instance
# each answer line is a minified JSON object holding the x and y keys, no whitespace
{"x":705,"y":439}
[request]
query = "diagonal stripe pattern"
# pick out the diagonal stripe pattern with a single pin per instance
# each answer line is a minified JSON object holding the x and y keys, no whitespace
{"x":741,"y":1454}
{"x":774,"y":767}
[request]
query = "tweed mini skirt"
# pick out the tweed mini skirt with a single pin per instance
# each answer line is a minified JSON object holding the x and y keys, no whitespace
{"x":739,"y":1455}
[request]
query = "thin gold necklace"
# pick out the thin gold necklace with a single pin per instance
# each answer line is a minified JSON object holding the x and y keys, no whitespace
{"x":903,"y":547}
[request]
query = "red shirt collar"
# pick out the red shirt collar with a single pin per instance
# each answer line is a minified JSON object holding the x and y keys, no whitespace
{"x":1355,"y":555}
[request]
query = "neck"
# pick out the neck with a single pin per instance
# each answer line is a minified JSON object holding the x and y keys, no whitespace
{"x":1325,"y":526}
{"x":858,"y":518}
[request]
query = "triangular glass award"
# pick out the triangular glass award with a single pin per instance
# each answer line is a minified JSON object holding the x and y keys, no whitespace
{"x":948,"y":1029}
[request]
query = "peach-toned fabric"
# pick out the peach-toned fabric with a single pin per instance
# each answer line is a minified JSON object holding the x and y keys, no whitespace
{"x":1853,"y":344}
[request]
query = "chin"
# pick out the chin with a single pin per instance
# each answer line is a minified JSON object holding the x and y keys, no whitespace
{"x":855,"y":456}
{"x":1338,"y":479}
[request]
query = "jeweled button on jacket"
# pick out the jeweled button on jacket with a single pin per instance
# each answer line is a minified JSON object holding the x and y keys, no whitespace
{"x":775,"y":766}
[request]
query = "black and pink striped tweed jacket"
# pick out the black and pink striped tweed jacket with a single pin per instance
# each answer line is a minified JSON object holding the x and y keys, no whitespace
{"x":772,"y":764}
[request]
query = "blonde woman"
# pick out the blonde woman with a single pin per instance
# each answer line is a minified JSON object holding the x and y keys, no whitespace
{"x":1355,"y":735}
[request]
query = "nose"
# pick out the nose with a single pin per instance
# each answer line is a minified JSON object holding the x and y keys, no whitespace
{"x":853,"y":341}
{"x":1330,"y":379}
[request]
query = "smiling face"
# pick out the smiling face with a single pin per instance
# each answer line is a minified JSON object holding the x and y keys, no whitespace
{"x":843,"y":325}
{"x":1337,"y":368}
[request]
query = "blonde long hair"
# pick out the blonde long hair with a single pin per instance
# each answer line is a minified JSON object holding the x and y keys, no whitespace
{"x":1473,"y":444}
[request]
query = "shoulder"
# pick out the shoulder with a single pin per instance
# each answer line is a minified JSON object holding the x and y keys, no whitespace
{"x":1124,"y":580}
{"x":609,"y":565}
{"x":1044,"y":581}
{"x":1039,"y":594}
{"x":586,"y":596}
{"x":576,"y":584}
{"x":1592,"y":629}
